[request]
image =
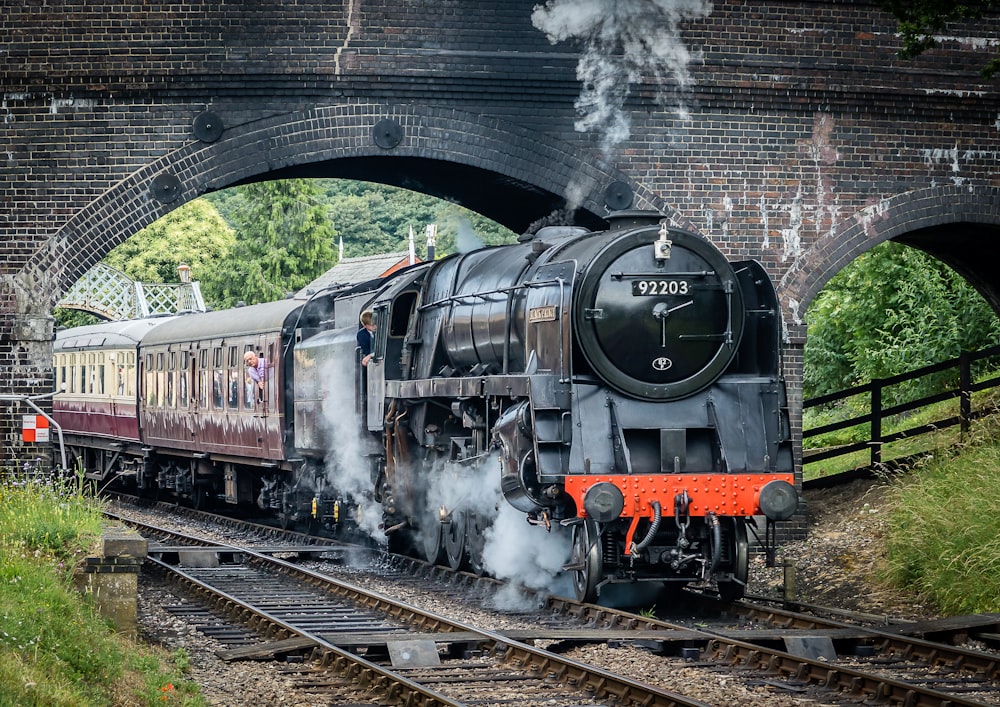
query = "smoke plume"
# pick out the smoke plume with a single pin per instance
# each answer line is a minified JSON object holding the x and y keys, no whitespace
{"x":621,"y":41}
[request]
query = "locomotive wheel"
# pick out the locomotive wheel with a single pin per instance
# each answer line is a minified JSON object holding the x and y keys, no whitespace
{"x":733,"y":589}
{"x":454,"y":539}
{"x":475,"y":542}
{"x":586,"y":561}
{"x":432,"y":538}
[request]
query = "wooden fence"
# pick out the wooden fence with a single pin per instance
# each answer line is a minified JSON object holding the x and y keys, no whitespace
{"x":877,"y":414}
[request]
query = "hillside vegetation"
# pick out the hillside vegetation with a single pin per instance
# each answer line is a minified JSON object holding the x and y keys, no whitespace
{"x":55,"y":651}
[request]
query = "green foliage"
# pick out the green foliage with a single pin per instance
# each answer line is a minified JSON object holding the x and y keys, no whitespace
{"x":892,"y":310}
{"x":944,"y":532}
{"x":285,"y":241}
{"x":921,"y":20}
{"x":54,"y":650}
{"x":259,"y":242}
{"x":376,"y":218}
{"x":194,"y":234}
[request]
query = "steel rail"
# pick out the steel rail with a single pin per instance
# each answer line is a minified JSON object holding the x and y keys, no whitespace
{"x":910,"y":647}
{"x":771,"y":660}
{"x":592,"y":680}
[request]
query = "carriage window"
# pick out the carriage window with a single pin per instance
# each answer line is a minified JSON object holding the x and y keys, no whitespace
{"x":150,"y":376}
{"x":182,"y":380}
{"x":120,"y":375}
{"x":249,"y":390}
{"x":234,"y":388}
{"x":171,"y":375}
{"x":218,"y":386}
{"x":130,"y":374}
{"x":101,"y":372}
{"x":218,"y":379}
{"x":203,"y":378}
{"x":169,"y":400}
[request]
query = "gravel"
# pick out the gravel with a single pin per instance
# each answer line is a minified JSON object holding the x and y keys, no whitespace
{"x":833,"y":567}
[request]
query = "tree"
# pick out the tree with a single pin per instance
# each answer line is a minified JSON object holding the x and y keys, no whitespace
{"x":921,"y":20}
{"x":193,"y":234}
{"x":892,"y":310}
{"x":285,"y":240}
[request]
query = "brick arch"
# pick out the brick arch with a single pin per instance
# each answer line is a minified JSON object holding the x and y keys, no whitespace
{"x":959,"y":225}
{"x":338,"y":141}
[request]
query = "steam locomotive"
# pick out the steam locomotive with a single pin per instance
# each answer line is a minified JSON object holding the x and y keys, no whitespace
{"x":619,"y":388}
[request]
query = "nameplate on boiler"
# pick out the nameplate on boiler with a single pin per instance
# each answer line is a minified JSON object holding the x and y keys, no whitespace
{"x":543,"y":314}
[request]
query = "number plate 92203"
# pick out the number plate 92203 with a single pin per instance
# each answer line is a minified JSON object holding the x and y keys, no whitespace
{"x":647,"y":287}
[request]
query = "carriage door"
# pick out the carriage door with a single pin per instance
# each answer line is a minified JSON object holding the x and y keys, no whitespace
{"x":186,"y":386}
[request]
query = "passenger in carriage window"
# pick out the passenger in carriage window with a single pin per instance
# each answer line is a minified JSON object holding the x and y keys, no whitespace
{"x":257,"y":369}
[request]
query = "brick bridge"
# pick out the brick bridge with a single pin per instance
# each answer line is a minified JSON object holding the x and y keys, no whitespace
{"x":792,"y":134}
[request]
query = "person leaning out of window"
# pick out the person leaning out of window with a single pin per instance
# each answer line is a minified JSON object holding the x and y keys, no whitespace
{"x":366,"y":336}
{"x":257,"y":369}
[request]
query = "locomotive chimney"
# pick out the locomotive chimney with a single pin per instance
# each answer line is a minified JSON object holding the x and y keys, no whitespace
{"x":633,"y":218}
{"x":431,"y":241}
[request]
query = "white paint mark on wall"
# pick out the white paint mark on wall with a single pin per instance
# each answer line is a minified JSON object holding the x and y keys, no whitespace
{"x":793,"y":309}
{"x":976,"y":43}
{"x":352,"y":25}
{"x":871,"y":214}
{"x":792,"y":240}
{"x":764,"y":222}
{"x":936,"y":156}
{"x":727,"y":208}
{"x":57,"y":104}
{"x":952,"y":92}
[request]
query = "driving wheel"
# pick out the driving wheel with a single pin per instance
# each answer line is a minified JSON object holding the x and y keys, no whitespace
{"x":585,"y":561}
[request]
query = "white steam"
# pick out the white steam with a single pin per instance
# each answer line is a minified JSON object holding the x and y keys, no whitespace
{"x":525,"y":555}
{"x":346,"y":467}
{"x":622,"y":40}
{"x":466,"y":239}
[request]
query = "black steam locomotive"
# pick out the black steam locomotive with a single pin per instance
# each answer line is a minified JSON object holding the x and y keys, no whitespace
{"x":621,"y":389}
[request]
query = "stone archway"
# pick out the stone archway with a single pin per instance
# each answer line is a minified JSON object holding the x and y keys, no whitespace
{"x":344,"y":140}
{"x":951,"y":223}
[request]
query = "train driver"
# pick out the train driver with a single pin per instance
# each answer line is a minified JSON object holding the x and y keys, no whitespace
{"x":366,"y":336}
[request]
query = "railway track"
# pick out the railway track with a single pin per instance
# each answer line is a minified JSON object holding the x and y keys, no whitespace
{"x":772,"y":647}
{"x":296,"y":610}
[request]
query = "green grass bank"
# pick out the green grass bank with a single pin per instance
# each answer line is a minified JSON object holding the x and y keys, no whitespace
{"x":55,"y":649}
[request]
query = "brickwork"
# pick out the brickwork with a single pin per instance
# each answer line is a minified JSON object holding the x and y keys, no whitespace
{"x":802,"y":140}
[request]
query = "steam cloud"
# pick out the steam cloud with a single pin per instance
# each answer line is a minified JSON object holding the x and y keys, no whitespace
{"x":621,"y":40}
{"x":466,"y":239}
{"x":346,"y":469}
{"x":525,"y":555}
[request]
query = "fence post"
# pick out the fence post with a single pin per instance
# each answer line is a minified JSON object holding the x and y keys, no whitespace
{"x":876,"y":417}
{"x":965,"y":391}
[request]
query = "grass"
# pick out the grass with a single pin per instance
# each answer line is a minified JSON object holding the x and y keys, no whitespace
{"x":943,"y":541}
{"x":944,"y":538}
{"x":55,"y":649}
